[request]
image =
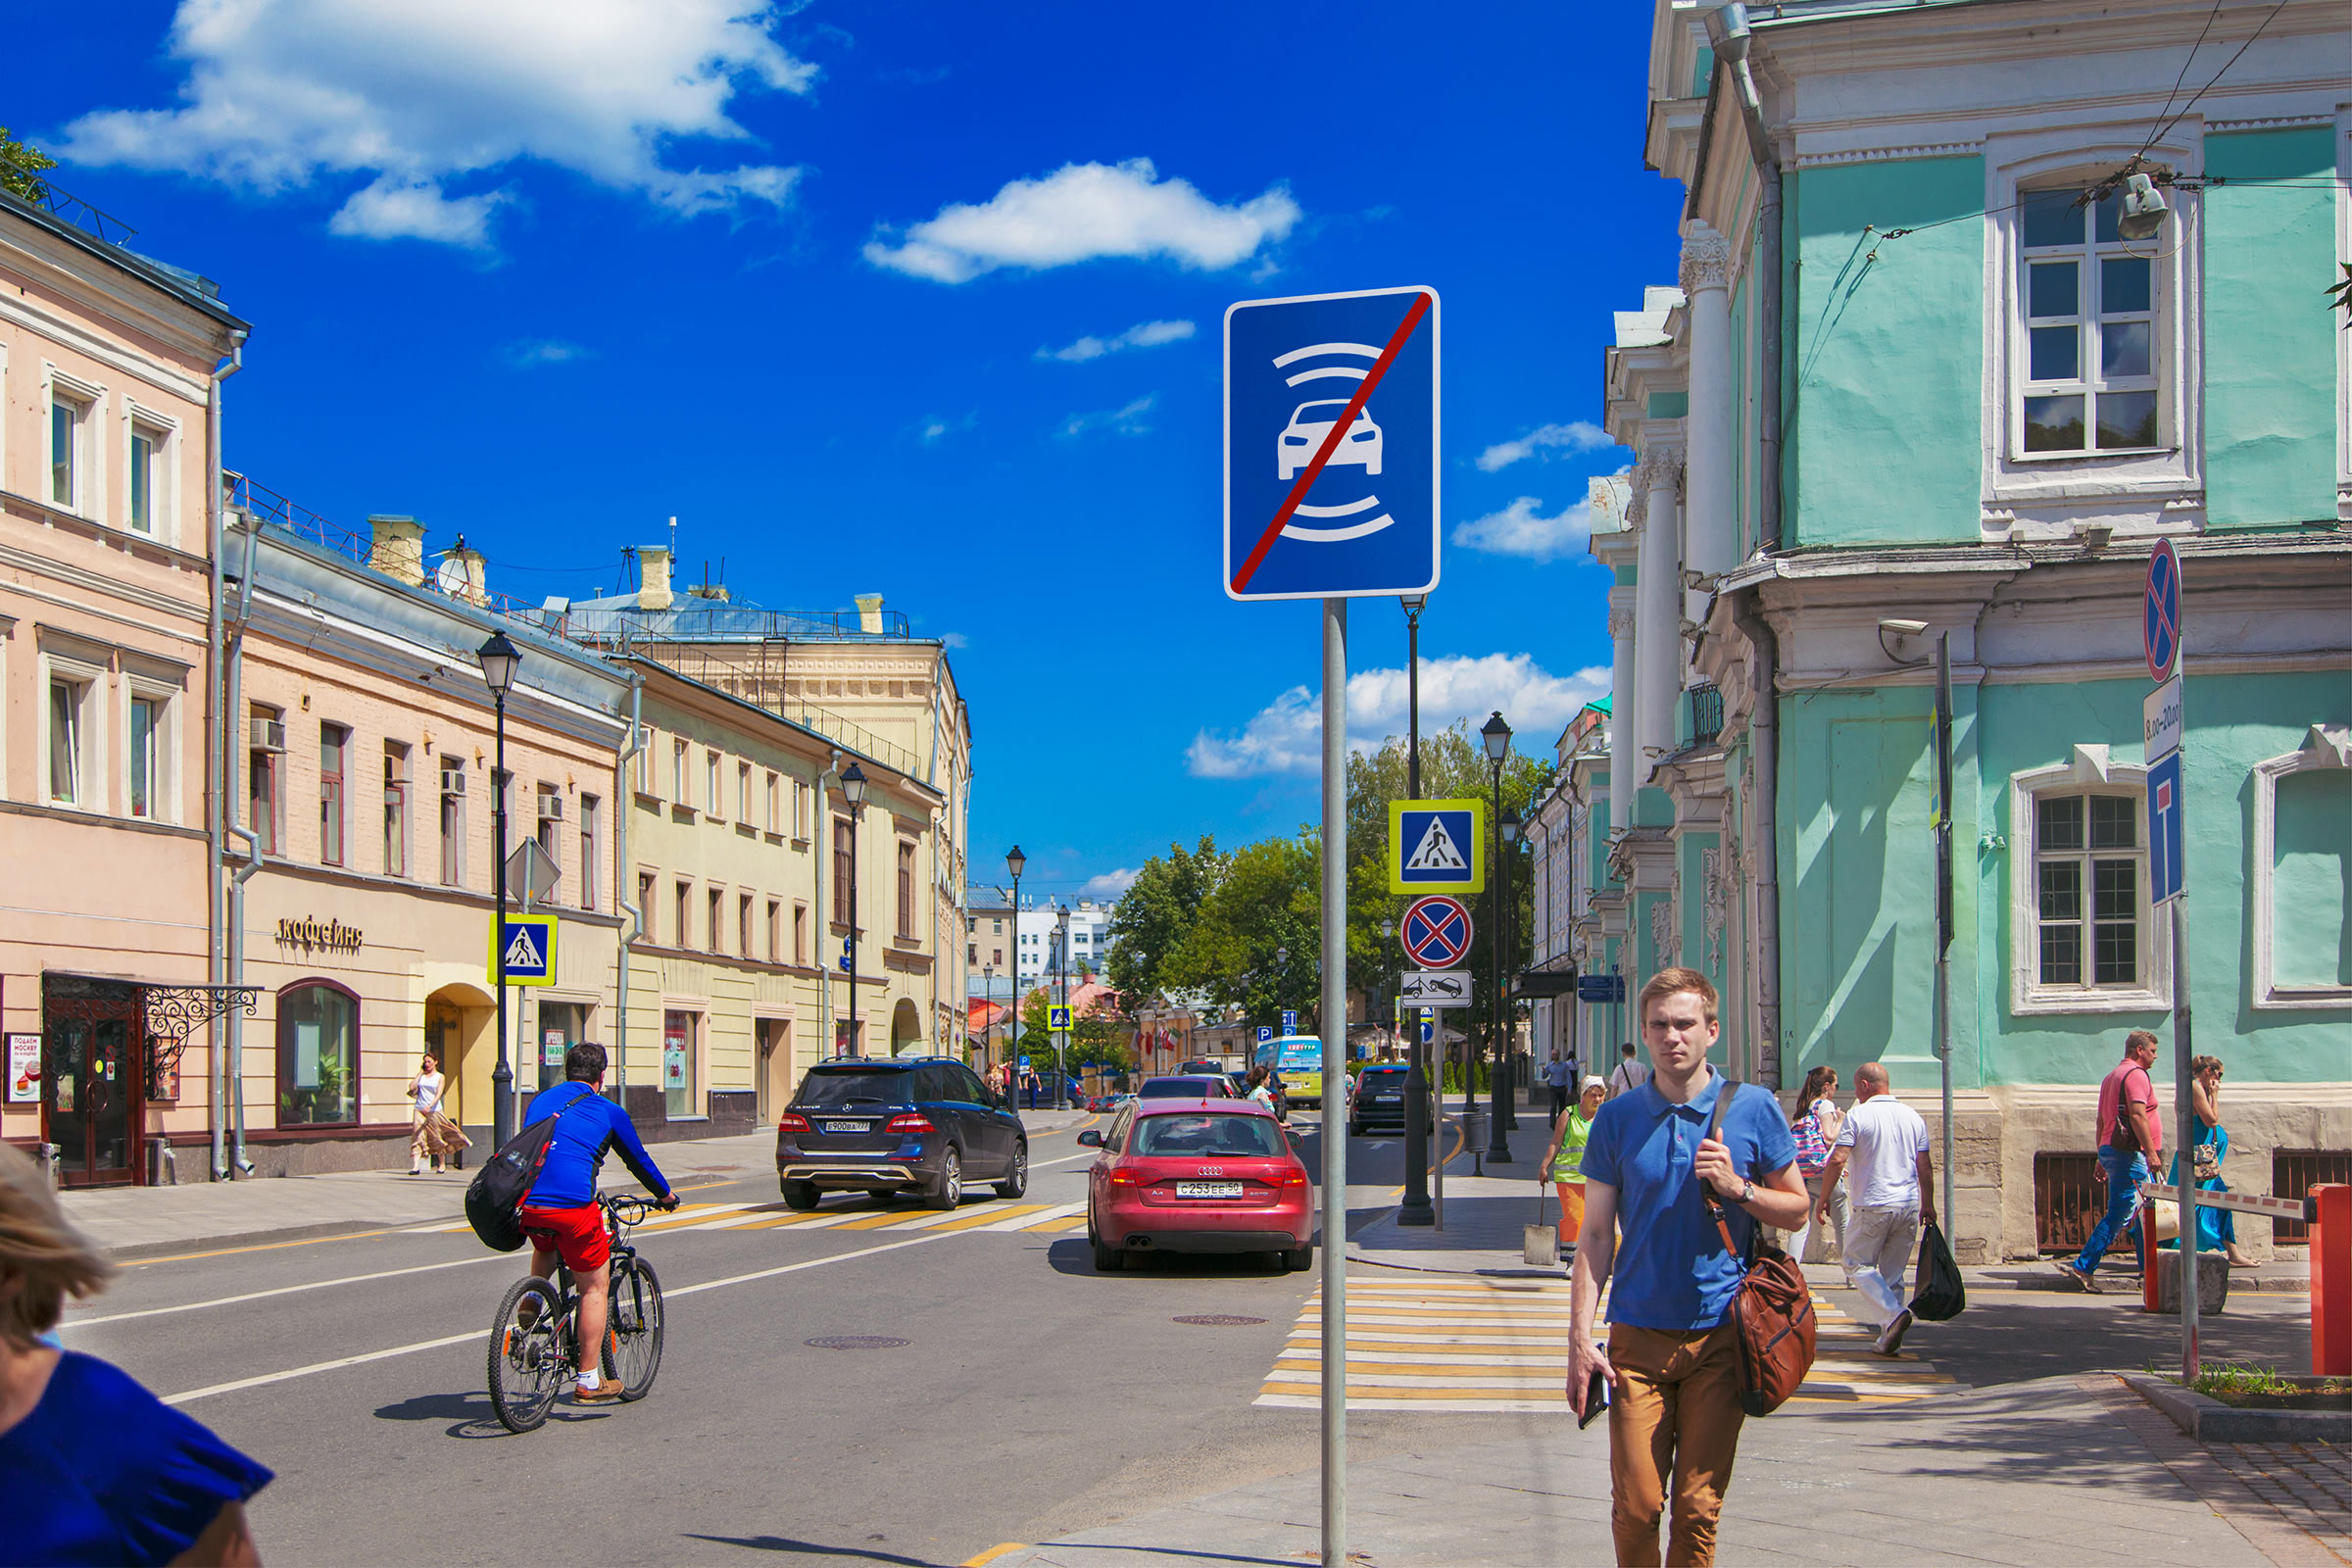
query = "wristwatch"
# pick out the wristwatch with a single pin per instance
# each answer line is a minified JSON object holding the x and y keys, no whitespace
{"x":1747,"y":1193}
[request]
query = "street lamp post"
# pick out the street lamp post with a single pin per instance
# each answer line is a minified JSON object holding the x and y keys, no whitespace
{"x":1014,"y":861}
{"x":1417,"y":1209}
{"x":1061,"y":974}
{"x":988,"y":1029}
{"x":1510,"y":829}
{"x":853,"y":790}
{"x":499,"y":659}
{"x":1498,"y":738}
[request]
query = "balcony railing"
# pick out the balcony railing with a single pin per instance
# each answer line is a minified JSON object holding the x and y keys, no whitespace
{"x":1707,"y":715}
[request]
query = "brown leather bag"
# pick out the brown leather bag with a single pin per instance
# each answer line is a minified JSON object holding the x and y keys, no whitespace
{"x":1771,"y":1311}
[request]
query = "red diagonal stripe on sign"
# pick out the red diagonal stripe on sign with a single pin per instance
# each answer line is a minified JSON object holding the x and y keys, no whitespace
{"x":1331,"y":442}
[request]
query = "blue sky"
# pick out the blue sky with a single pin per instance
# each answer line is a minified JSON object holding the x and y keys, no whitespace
{"x":923,"y":300}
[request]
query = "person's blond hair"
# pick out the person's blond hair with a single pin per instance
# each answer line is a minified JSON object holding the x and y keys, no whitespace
{"x":44,"y":1259}
{"x":1675,"y":982}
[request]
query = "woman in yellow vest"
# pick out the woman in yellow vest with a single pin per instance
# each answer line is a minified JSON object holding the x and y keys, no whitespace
{"x":1565,"y":1159}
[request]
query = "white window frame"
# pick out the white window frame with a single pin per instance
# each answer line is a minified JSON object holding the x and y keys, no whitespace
{"x":2047,"y":493}
{"x":743,"y":792}
{"x":2089,"y":769}
{"x":89,"y":490}
{"x":677,"y":772}
{"x":163,"y":496}
{"x":90,"y":759}
{"x":2325,"y":746}
{"x":646,"y":782}
{"x":163,"y":800}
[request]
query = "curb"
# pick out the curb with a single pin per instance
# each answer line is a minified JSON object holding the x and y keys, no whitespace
{"x":148,"y":1251}
{"x":2209,"y":1420}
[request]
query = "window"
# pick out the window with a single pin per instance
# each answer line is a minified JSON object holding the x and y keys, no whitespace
{"x":318,"y":1056}
{"x":2087,"y":880}
{"x":453,"y":822}
{"x":140,"y":503}
{"x":743,"y":792}
{"x":775,"y":931}
{"x":396,"y":809}
{"x":679,"y":1032}
{"x":68,"y":417}
{"x":264,"y":799}
{"x":775,"y":805}
{"x":843,"y":852}
{"x":972,"y":953}
{"x":645,"y":759}
{"x":551,"y":820}
{"x":146,"y":718}
{"x":713,"y":802}
{"x":905,"y":890}
{"x":592,"y":848}
{"x":2088,"y":331}
{"x":996,"y":955}
{"x":742,"y":926}
{"x":677,"y":773}
{"x":800,"y":934}
{"x":684,"y":936}
{"x":333,"y":741}
{"x":716,"y":929}
{"x":645,"y":904}
{"x":799,"y":809}
{"x":69,"y":740}
{"x":2302,"y":874}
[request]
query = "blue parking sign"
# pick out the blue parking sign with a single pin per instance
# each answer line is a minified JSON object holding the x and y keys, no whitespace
{"x":1265,"y":1032}
{"x":1290,"y":1022}
{"x":2167,"y":840}
{"x":1331,"y":445}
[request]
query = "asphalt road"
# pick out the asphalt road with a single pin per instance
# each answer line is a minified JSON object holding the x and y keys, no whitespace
{"x":1033,"y":1395}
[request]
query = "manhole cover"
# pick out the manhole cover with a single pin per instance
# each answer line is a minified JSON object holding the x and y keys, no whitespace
{"x":855,"y":1342}
{"x":1219,"y":1321}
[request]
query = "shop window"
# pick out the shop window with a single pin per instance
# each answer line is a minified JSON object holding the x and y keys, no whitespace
{"x":592,"y":848}
{"x":334,"y":741}
{"x":318,"y":1056}
{"x":2302,"y":873}
{"x":453,"y":822}
{"x":905,"y":890}
{"x":396,"y":809}
{"x":680,"y":1042}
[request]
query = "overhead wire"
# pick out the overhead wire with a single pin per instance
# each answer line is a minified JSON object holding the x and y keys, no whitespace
{"x":2259,"y":29}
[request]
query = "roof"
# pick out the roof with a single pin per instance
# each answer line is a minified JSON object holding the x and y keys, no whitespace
{"x":199,"y":293}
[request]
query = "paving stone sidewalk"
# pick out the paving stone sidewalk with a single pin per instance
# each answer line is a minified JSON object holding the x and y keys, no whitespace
{"x":2059,"y":1470}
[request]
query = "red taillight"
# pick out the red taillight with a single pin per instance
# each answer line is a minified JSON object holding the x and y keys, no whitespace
{"x":1294,"y":1178}
{"x":1125,"y":1178}
{"x":792,"y":1121}
{"x":914,"y":1121}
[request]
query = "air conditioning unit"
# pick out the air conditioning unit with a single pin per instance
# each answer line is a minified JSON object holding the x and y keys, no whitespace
{"x":551,"y":808}
{"x":267,"y":734}
{"x":453,"y":781}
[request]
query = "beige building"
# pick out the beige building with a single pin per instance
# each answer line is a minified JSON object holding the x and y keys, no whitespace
{"x":111,"y":371}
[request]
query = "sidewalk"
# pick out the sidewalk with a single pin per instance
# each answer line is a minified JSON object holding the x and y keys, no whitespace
{"x":2060,"y":1469}
{"x":132,"y":1223}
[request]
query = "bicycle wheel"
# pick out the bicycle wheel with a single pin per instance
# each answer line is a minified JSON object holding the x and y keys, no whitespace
{"x":528,"y":1366}
{"x":633,"y":1331}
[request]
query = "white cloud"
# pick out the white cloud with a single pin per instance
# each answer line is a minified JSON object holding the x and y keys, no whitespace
{"x":1519,"y":529}
{"x":1128,"y":420}
{"x":532,"y":353}
{"x":1142,"y":335}
{"x":938,"y":427}
{"x":1081,"y":211}
{"x":1578,"y":435}
{"x":1285,"y":735}
{"x":285,"y":94}
{"x":1108,"y":885}
{"x":956,"y":639}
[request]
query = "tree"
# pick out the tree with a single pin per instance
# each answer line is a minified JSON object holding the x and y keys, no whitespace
{"x":1156,"y":913}
{"x":1096,"y":1035}
{"x":1269,"y":904}
{"x":21,"y":166}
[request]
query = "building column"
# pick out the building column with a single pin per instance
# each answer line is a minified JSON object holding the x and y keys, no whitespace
{"x":1622,"y":706}
{"x":1711,"y":527}
{"x":1658,"y":611}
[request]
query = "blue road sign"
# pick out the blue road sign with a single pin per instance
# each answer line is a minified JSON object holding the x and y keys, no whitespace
{"x":2159,"y":613}
{"x":2166,"y":839}
{"x":1265,"y":1033}
{"x":1437,"y":846}
{"x":1024,"y":1065}
{"x":1290,"y":1022}
{"x":1331,"y":445}
{"x":1436,"y":932}
{"x":528,"y":944}
{"x":1057,"y":1016}
{"x":1429,"y":1027}
{"x":1601,"y":987}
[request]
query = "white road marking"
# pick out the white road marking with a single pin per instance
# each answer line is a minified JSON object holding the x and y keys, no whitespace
{"x":283,"y":1290}
{"x":475,"y":1336}
{"x":1027,"y":1222}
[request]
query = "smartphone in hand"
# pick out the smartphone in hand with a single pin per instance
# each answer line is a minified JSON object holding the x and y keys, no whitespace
{"x":1597,"y":1398}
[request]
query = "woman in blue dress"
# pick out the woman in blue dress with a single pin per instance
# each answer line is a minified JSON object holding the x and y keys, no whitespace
{"x":99,"y":1470}
{"x":2217,"y":1228}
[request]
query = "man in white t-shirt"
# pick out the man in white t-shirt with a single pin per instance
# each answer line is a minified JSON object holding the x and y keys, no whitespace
{"x":1629,"y":1075}
{"x":1894,"y":1184}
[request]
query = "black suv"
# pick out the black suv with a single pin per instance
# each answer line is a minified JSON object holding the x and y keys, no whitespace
{"x":906,"y":1125}
{"x":1379,"y":1098}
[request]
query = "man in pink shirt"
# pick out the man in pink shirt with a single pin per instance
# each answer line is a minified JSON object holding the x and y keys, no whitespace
{"x":2130,"y":1138}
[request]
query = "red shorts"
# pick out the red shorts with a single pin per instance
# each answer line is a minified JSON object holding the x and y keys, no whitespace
{"x":575,"y":1235}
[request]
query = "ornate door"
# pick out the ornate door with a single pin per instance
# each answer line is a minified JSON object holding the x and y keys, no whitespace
{"x":92,"y":1087}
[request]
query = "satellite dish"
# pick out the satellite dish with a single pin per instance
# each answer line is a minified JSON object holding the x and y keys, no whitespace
{"x":450,"y":576}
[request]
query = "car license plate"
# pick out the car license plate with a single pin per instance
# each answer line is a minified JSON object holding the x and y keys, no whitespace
{"x":1208,"y":1189}
{"x":849,"y":1126}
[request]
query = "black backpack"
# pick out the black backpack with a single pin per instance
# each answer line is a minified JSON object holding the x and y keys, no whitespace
{"x":494,"y":1199}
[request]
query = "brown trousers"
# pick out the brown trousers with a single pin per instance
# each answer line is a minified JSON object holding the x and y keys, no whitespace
{"x":1676,"y":1415}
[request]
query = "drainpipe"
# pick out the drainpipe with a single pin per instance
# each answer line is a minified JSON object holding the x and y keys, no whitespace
{"x":214,"y":748}
{"x":235,"y":658}
{"x":624,"y":797}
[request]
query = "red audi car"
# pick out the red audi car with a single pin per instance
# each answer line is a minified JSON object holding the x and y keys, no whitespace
{"x":1197,"y":1176}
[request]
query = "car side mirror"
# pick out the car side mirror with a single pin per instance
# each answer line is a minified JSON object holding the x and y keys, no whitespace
{"x":1091,"y":1139}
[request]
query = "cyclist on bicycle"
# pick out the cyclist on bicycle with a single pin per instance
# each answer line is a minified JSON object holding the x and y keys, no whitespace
{"x":560,"y":1216}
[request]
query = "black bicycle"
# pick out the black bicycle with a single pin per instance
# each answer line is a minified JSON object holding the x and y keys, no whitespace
{"x":534,"y":1345}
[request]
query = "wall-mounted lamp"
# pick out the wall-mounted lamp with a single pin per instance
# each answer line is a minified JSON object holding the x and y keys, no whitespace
{"x":1901,"y":631}
{"x":2144,"y":209}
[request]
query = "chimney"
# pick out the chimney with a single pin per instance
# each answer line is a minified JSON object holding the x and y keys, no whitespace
{"x":469,"y":585}
{"x":652,"y":592}
{"x":397,"y":548}
{"x":869,"y":615}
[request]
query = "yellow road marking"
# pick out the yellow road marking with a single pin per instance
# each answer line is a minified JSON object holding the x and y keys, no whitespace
{"x":989,"y":1216}
{"x":992,"y":1554}
{"x":1068,"y":1222}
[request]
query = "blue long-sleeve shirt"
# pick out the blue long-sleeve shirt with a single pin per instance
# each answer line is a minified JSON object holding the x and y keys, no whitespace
{"x":591,"y":1125}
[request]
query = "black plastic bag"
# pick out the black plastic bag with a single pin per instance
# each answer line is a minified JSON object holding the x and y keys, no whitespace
{"x":1941,"y":1295}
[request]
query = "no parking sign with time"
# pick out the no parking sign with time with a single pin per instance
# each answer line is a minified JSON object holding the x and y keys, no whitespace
{"x":1331,"y":445}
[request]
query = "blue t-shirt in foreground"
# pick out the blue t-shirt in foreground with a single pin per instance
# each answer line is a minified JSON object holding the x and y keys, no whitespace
{"x":1672,"y":1271}
{"x":590,"y":1125}
{"x":102,"y":1471}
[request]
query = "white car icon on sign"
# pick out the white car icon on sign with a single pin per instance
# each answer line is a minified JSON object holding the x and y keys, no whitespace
{"x":1310,"y":423}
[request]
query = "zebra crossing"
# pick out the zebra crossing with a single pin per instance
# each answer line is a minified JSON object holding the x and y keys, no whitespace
{"x":1460,"y":1343}
{"x":989,"y":1217}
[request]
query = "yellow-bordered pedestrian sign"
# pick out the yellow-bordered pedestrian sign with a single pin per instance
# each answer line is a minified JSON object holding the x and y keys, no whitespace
{"x":1437,"y":845}
{"x":1057,"y":1016}
{"x":530,"y":947}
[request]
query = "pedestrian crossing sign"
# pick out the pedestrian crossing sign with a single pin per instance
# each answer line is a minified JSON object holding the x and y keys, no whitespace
{"x":1057,"y":1017}
{"x":1437,"y":845}
{"x":528,"y":944}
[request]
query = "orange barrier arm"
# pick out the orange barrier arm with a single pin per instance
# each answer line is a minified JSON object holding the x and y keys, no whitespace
{"x":2330,"y":1280}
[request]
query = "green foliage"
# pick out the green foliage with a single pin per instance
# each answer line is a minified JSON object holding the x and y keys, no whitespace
{"x":1096,"y":1035}
{"x":1156,"y":913}
{"x":2339,"y":293}
{"x":20,"y":165}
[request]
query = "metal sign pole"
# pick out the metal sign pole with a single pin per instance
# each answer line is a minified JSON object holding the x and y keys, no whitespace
{"x":1335,"y":1132}
{"x":2183,"y":1110}
{"x":1944,"y":907}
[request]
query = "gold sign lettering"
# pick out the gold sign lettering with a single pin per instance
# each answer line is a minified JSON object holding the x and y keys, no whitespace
{"x":318,"y":936}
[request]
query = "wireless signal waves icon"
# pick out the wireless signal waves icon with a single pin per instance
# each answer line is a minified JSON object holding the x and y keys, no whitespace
{"x":1310,"y":425}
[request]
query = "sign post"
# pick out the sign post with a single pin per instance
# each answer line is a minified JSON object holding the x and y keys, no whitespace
{"x":1331,"y":493}
{"x":2163,"y":720}
{"x":1941,"y":819}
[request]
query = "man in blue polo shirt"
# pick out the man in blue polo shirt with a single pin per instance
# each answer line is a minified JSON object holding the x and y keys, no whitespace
{"x":1671,"y":1362}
